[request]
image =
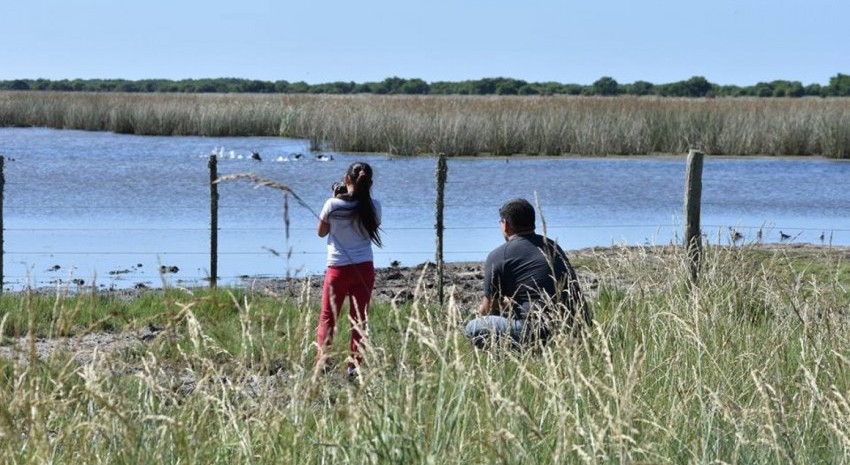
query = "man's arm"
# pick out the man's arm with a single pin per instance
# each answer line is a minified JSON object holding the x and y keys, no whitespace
{"x":485,"y":307}
{"x":489,"y":306}
{"x":493,"y":303}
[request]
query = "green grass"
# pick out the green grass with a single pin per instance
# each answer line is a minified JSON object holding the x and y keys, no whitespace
{"x":460,"y":125}
{"x":749,"y":366}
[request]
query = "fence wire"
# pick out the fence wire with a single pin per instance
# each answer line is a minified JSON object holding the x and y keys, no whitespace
{"x":293,"y":249}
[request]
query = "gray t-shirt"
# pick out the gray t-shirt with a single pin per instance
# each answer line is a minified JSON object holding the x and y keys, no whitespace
{"x":519,"y":269}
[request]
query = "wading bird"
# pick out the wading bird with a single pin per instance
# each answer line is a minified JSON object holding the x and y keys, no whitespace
{"x":735,"y":234}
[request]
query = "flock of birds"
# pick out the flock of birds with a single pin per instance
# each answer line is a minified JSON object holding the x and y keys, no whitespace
{"x":255,"y":155}
{"x":737,"y":236}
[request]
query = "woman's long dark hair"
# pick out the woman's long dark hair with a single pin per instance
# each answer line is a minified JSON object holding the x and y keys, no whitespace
{"x":360,"y":176}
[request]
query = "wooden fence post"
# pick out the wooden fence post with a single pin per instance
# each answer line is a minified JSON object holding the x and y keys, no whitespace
{"x":213,"y":165}
{"x":442,"y":170}
{"x":693,"y":195}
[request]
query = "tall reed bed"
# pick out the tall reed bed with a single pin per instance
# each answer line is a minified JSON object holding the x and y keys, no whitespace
{"x":749,"y":366}
{"x":460,"y":125}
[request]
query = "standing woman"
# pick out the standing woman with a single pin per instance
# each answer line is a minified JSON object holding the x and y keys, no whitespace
{"x":350,"y":220}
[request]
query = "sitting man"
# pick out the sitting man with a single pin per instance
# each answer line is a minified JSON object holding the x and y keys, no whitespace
{"x":530,"y":288}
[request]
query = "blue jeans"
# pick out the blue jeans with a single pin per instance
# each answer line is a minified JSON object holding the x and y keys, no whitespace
{"x":484,"y":330}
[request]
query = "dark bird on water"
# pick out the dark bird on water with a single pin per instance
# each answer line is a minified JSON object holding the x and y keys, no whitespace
{"x":783,"y":236}
{"x":735,"y":234}
{"x":821,"y":237}
{"x":256,"y":156}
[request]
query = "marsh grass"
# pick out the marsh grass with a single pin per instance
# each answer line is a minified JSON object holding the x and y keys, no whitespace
{"x":749,"y":366}
{"x":460,"y":125}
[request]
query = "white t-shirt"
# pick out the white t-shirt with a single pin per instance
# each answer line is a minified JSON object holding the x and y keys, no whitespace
{"x":348,"y":240}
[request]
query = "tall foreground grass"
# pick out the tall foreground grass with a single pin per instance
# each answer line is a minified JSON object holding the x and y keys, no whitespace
{"x":458,"y":125}
{"x":750,"y":366}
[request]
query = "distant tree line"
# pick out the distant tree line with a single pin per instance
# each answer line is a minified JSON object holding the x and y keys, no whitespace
{"x":697,"y":86}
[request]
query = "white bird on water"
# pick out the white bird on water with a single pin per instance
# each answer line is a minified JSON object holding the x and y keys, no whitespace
{"x":281,"y":158}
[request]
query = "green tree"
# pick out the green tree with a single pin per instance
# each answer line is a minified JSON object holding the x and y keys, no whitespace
{"x":606,"y":86}
{"x":19,"y":84}
{"x":40,"y":84}
{"x":485,"y":86}
{"x":698,"y":86}
{"x":815,"y":90}
{"x":281,"y":87}
{"x":839,"y":85}
{"x":299,"y":87}
{"x":506,"y":86}
{"x":128,"y":86}
{"x":795,"y":89}
{"x":443,"y":88}
{"x":338,"y":87}
{"x":642,"y":88}
{"x":528,"y":90}
{"x":414,"y":87}
{"x":763,"y":89}
{"x":573,"y":89}
{"x":388,"y":85}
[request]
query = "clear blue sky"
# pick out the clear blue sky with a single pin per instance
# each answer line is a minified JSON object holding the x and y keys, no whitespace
{"x":737,"y":42}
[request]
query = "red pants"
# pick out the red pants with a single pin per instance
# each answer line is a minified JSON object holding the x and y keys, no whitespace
{"x":352,"y":281}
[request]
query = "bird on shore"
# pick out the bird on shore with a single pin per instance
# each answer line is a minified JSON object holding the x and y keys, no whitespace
{"x":735,"y":234}
{"x":783,"y":236}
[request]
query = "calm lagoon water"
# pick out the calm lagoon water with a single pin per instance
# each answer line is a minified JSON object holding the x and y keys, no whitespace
{"x":112,"y":209}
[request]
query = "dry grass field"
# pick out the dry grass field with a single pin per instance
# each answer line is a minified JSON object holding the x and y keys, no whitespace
{"x":749,"y":366}
{"x":461,"y":125}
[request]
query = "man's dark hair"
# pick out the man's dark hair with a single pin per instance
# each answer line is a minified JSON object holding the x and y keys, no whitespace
{"x":519,"y":214}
